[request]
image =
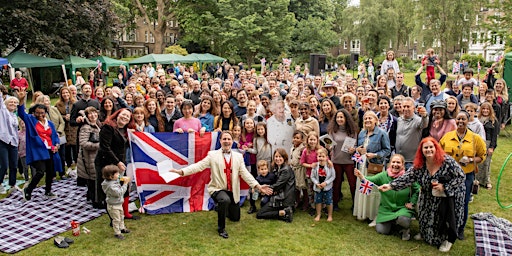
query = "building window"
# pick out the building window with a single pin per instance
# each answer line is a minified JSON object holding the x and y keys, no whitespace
{"x":482,"y":37}
{"x":171,"y":38}
{"x":493,"y":38}
{"x":146,"y":37}
{"x":171,"y":23}
{"x":345,"y":44}
{"x":474,"y":37}
{"x":151,"y":37}
{"x":354,"y":46}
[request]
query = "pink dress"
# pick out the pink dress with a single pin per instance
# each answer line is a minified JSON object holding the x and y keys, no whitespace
{"x":248,"y":140}
{"x":308,"y":158}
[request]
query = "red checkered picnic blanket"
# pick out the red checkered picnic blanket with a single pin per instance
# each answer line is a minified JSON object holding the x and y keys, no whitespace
{"x":492,"y":235}
{"x":25,"y":224}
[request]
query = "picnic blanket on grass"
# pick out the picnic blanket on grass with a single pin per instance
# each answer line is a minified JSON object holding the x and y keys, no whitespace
{"x":25,"y":224}
{"x":493,"y":235}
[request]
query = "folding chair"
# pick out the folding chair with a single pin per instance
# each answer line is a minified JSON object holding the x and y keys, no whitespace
{"x":56,"y":88}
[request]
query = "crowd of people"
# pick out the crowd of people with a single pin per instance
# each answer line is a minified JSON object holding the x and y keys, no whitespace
{"x":437,"y":143}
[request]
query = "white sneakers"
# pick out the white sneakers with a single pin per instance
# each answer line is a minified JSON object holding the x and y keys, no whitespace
{"x":418,"y":237}
{"x":2,"y":190}
{"x":373,"y":223}
{"x":445,"y":246}
{"x":406,"y":234}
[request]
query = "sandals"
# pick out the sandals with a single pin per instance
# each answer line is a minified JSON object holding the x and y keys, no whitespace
{"x":489,"y":186}
{"x":62,"y":242}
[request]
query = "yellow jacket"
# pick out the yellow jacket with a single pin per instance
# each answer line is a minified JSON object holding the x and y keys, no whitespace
{"x":472,"y":145}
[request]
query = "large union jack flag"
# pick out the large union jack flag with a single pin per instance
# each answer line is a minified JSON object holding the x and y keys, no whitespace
{"x":185,"y":194}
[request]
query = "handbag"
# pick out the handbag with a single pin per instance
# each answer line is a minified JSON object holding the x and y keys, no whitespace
{"x":62,"y":139}
{"x":94,"y":137}
{"x":374,"y":168}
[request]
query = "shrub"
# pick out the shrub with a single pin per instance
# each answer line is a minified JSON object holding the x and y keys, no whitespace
{"x":473,"y":60}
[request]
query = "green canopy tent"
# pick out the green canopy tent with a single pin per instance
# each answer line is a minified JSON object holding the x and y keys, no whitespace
{"x":191,"y":58}
{"x":107,"y":62}
{"x":158,"y":58}
{"x":507,"y":73}
{"x":208,"y":57}
{"x":73,"y":62}
{"x":203,"y":58}
{"x":25,"y":60}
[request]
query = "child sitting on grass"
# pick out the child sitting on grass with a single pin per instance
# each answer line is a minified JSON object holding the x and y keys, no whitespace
{"x":264,"y":178}
{"x":322,"y":177}
{"x":114,"y":192}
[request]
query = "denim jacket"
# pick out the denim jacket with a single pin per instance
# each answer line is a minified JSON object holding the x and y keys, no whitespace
{"x":378,"y":144}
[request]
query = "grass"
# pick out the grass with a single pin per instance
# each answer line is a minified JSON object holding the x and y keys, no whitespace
{"x":195,"y":233}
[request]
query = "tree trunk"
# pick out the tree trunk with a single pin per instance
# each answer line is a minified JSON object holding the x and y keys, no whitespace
{"x":159,"y":40}
{"x":249,"y":59}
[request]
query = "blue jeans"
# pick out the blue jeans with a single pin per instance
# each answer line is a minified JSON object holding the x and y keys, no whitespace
{"x":8,"y":159}
{"x":470,"y":177}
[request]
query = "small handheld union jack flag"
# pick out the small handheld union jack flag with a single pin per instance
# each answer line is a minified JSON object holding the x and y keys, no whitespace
{"x":357,"y":158}
{"x":366,"y":187}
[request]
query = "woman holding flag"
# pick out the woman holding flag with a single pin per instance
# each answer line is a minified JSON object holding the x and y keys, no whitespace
{"x":396,"y":207}
{"x":374,"y":147}
{"x":441,"y":202}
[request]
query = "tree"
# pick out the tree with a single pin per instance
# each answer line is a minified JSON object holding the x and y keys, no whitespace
{"x":56,"y":28}
{"x":253,"y":26}
{"x":499,"y":23}
{"x":176,"y":49}
{"x":444,"y":24}
{"x":374,"y":22}
{"x":200,"y":24}
{"x":157,"y":13}
{"x":313,"y":35}
{"x":314,"y":31}
{"x":405,"y":21}
{"x":304,"y":9}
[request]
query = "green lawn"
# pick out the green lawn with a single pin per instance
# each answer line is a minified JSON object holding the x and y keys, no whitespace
{"x":195,"y":233}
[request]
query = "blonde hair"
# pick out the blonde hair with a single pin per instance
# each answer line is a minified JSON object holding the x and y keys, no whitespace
{"x":322,"y":151}
{"x":351,"y":96}
{"x":504,"y":92}
{"x":9,"y":99}
{"x":492,"y":115}
{"x":372,"y":114}
{"x":262,"y":163}
{"x":388,"y":52}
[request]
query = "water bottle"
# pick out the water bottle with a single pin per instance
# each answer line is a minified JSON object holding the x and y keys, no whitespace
{"x":255,"y":195}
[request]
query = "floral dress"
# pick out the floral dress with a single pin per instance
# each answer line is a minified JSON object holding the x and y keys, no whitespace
{"x":453,"y":179}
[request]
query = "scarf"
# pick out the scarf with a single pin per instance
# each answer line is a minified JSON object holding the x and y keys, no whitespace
{"x":393,"y":175}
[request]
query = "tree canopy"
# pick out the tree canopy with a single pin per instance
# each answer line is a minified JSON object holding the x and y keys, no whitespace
{"x":57,"y":28}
